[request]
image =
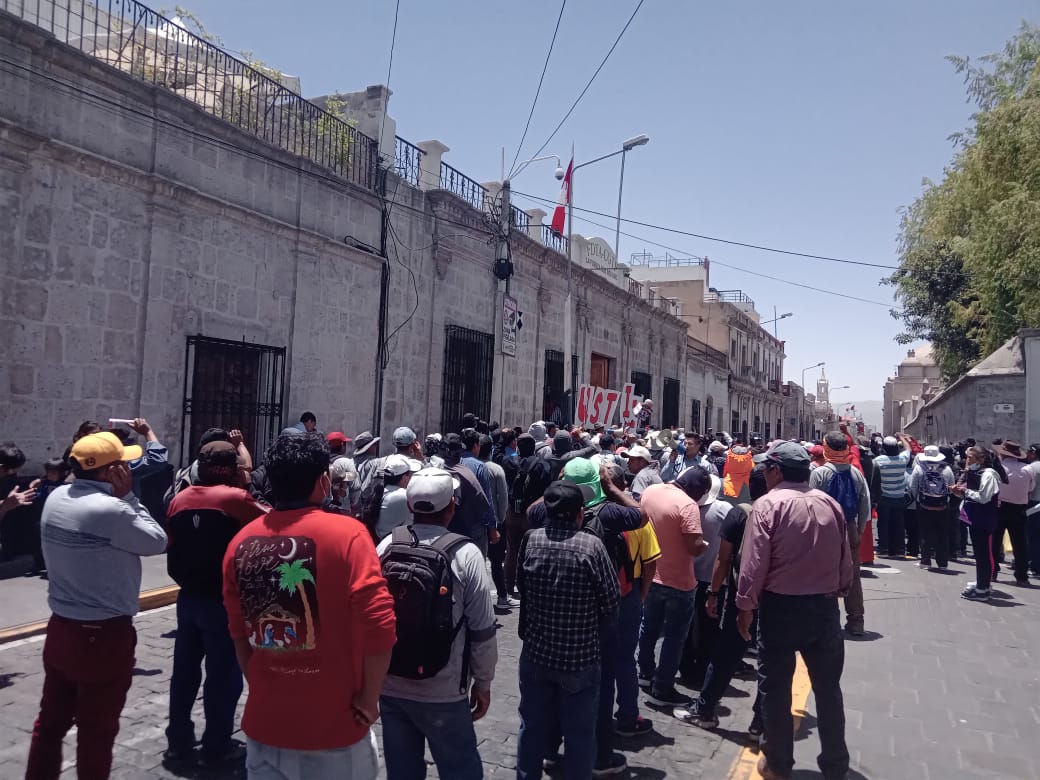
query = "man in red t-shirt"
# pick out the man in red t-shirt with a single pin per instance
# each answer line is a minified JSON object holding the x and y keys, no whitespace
{"x":313,"y":624}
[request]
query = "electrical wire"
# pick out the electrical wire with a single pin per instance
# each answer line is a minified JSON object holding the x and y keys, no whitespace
{"x":589,"y":84}
{"x":389,"y":70}
{"x":716,"y":239}
{"x":734,"y":267}
{"x":538,"y":91}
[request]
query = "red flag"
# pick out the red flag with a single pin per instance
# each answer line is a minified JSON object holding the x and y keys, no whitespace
{"x":559,"y":219}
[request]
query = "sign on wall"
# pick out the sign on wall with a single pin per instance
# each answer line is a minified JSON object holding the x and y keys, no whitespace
{"x":509,"y":323}
{"x":1004,"y":408}
{"x":600,"y":405}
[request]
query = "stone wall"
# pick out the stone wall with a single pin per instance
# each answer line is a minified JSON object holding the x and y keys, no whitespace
{"x":966,"y":409}
{"x":131,"y":220}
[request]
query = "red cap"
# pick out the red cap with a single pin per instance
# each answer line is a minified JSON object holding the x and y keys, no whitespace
{"x":337,"y":438}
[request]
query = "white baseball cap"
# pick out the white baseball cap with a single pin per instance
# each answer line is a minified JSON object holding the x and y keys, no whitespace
{"x":395,"y":465}
{"x":430,"y":490}
{"x":638,"y":452}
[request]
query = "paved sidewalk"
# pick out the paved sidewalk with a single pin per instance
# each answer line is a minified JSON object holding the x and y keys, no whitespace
{"x":939,"y":688}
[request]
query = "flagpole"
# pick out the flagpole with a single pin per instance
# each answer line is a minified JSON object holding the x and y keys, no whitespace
{"x":568,"y":326}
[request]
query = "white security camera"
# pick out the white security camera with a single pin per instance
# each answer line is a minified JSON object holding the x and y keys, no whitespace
{"x":560,"y":173}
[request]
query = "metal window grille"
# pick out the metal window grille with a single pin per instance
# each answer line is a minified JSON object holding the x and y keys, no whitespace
{"x":643,"y":383}
{"x":670,"y":403}
{"x":554,"y":392}
{"x":695,"y":415}
{"x":469,"y":359}
{"x":231,"y":384}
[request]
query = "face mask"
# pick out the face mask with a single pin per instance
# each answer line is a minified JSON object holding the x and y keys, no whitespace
{"x":974,"y":466}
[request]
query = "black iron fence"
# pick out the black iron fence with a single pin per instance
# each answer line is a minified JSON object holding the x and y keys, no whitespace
{"x":554,"y":240}
{"x":135,"y":39}
{"x":469,"y":359}
{"x":407,"y":159}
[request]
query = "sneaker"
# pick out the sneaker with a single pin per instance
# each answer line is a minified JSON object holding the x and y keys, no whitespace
{"x":754,"y":732}
{"x":702,"y":717}
{"x":640,"y":727}
{"x":745,"y":670}
{"x":553,"y":761}
{"x":854,"y":629}
{"x":615,"y":765}
{"x":179,"y":755}
{"x":971,"y":593}
{"x":645,"y":681}
{"x":507,"y":602}
{"x":1023,"y":581}
{"x":669,"y":698}
{"x":235,"y":754}
{"x":923,"y":564}
{"x":766,"y":772}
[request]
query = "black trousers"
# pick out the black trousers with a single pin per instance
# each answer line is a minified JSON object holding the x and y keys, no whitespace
{"x":1012,"y":518}
{"x":809,"y":625}
{"x":701,"y":640}
{"x":934,"y":525}
{"x":981,"y":545}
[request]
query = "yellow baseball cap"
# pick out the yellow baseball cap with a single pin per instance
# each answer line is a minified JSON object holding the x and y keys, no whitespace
{"x":102,"y":449}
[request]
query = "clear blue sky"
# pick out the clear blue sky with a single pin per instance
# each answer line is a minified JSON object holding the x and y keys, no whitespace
{"x":798,"y":125}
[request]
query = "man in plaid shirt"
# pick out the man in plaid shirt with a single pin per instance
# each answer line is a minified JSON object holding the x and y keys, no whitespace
{"x":569,"y":588}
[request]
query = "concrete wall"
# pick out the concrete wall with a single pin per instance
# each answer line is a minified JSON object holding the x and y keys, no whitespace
{"x":967,"y":409}
{"x":130,"y":220}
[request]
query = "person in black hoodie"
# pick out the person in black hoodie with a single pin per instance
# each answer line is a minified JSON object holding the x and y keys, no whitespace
{"x":527,"y":476}
{"x":563,"y":451}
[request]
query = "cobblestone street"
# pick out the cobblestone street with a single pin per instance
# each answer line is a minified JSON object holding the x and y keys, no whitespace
{"x":939,"y":688}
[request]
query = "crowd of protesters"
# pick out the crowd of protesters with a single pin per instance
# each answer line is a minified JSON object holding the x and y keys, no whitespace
{"x":349,"y":582}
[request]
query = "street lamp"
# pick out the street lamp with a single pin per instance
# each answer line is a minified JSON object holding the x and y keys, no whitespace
{"x":631,"y":143}
{"x":776,"y":320}
{"x":801,"y":406}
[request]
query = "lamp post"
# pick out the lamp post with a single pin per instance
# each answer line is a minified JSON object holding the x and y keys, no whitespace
{"x":776,"y":320}
{"x":568,"y":335}
{"x":631,"y":143}
{"x":801,"y":406}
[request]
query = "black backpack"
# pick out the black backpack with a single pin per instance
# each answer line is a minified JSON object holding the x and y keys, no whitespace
{"x":614,"y":541}
{"x":529,"y":483}
{"x":422,"y":584}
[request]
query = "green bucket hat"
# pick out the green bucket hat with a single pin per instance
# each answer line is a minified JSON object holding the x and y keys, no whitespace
{"x":583,"y":471}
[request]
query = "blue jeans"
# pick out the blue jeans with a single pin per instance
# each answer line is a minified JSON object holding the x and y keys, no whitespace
{"x":359,"y":761}
{"x":630,"y":613}
{"x":809,"y":625}
{"x":667,"y":612}
{"x":550,"y":700}
{"x":202,"y":632}
{"x":447,"y":726}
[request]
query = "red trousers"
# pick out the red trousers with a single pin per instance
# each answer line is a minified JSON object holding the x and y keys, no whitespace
{"x":87,"y":667}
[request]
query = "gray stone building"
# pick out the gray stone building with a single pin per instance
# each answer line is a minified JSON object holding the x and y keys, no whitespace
{"x":163,"y":261}
{"x":998,"y":397}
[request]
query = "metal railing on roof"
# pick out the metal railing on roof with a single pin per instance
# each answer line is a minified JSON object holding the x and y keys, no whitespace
{"x":648,"y":260}
{"x":152,"y":48}
{"x":407,"y":159}
{"x":554,"y":240}
{"x":728,"y":296}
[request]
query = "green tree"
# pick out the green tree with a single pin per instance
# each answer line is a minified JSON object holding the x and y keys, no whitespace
{"x":970,"y":244}
{"x":293,"y":576}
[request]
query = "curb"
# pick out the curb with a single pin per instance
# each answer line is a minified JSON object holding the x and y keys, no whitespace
{"x":149,"y":599}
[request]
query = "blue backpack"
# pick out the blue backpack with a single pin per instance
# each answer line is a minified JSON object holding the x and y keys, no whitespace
{"x":842,"y":488}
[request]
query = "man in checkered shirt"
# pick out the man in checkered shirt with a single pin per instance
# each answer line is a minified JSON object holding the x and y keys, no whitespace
{"x":569,"y":588}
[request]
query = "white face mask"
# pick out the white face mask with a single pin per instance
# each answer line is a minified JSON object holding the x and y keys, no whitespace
{"x":974,"y":466}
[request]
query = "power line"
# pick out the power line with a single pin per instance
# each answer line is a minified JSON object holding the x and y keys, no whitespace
{"x":589,"y":84}
{"x":389,"y":70}
{"x":719,"y":240}
{"x":538,"y":91}
{"x":736,"y":267}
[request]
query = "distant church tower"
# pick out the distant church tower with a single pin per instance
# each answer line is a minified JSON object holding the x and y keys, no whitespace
{"x":823,"y":388}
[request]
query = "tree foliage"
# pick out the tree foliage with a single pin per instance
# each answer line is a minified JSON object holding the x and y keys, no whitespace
{"x":969,"y":274}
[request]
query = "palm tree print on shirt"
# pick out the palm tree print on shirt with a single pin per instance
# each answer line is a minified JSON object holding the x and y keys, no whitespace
{"x":293,"y":577}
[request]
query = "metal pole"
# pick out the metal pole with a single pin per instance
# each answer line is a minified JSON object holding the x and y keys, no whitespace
{"x":568,"y":326}
{"x":775,"y":336}
{"x":617,"y":229}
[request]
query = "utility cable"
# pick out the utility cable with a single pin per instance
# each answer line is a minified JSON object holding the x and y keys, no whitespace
{"x":731,"y":242}
{"x":589,"y":84}
{"x":538,"y":91}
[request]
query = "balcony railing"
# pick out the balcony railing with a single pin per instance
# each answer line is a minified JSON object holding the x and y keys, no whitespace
{"x":707,"y":353}
{"x":407,"y":159}
{"x":650,"y":261}
{"x":457,"y":183}
{"x":728,"y":296}
{"x":146,"y":45}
